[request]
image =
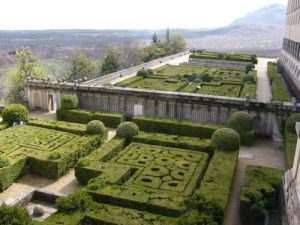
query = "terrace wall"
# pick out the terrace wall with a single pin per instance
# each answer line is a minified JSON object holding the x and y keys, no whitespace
{"x":185,"y":106}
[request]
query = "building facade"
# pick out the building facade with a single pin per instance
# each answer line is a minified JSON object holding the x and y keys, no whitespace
{"x":290,"y":57}
{"x":291,"y":187}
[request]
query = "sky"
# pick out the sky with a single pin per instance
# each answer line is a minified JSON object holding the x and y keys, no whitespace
{"x":123,"y":14}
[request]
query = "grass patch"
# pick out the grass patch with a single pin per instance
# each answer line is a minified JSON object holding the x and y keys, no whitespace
{"x":278,"y":87}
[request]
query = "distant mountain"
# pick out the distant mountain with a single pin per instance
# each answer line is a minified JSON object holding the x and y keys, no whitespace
{"x":269,"y":15}
{"x":259,"y":32}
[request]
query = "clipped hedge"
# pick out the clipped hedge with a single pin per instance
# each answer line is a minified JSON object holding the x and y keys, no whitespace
{"x":216,"y":184}
{"x":84,"y":170}
{"x":14,"y":215}
{"x":84,"y":116}
{"x":69,"y":102}
{"x":169,"y":140}
{"x":242,"y":123}
{"x":226,"y":139}
{"x":15,"y":113}
{"x":260,"y":192}
{"x":290,"y":138}
{"x":278,"y":86}
{"x":73,"y":128}
{"x":177,"y":127}
{"x":69,"y":155}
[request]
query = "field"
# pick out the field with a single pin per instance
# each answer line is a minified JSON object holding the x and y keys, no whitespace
{"x":202,"y":54}
{"x":50,"y":153}
{"x":199,"y":80}
{"x":151,"y":178}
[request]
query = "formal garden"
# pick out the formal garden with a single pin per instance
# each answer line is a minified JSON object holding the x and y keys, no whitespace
{"x":231,"y":82}
{"x":154,"y":171}
{"x":240,"y":57}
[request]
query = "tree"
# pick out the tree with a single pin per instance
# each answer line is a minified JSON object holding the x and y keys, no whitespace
{"x":80,"y":66}
{"x":249,"y":67}
{"x":111,"y":61}
{"x":25,"y":68}
{"x":176,"y":43}
{"x":168,"y":35}
{"x":155,"y":38}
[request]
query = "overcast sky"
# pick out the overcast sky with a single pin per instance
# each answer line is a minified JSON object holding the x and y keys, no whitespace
{"x":123,"y":14}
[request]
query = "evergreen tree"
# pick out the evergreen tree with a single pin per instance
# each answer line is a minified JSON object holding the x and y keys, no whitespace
{"x":168,"y":35}
{"x":111,"y":61}
{"x":154,"y":38}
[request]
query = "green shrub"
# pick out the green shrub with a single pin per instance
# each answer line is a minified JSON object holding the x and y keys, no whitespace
{"x":69,"y":102}
{"x":15,"y":113}
{"x":249,"y":78}
{"x":290,"y":125}
{"x":226,"y":139}
{"x":260,"y":192}
{"x":79,"y":201}
{"x":83,"y":162}
{"x":249,"y":67}
{"x":13,"y":215}
{"x":127,"y":130}
{"x":84,"y":116}
{"x":290,"y":142}
{"x":54,"y":156}
{"x":207,"y":78}
{"x":142,"y":73}
{"x":4,"y":162}
{"x":95,"y":127}
{"x":194,"y":217}
{"x":176,"y":127}
{"x":242,"y":123}
{"x":216,"y":184}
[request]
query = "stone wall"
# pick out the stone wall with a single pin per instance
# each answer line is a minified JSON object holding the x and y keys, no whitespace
{"x":132,"y":70}
{"x":186,"y":106}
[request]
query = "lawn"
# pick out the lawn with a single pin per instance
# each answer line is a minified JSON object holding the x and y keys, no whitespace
{"x":199,"y":80}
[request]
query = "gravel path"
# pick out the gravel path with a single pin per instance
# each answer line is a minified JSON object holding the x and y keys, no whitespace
{"x":263,"y":91}
{"x":263,"y":153}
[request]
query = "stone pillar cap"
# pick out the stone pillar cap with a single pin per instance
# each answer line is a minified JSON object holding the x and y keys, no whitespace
{"x":298,"y":128}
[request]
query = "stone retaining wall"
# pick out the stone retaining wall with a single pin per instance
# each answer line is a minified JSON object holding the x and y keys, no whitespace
{"x":177,"y":105}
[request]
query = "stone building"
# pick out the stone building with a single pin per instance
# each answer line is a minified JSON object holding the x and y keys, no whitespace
{"x":290,"y":56}
{"x":291,"y":186}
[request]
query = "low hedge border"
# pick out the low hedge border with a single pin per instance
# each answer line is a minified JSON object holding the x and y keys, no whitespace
{"x":290,"y":143}
{"x":216,"y":185}
{"x":177,"y":127}
{"x":73,"y":128}
{"x":168,"y":140}
{"x":260,"y":192}
{"x":102,"y":154}
{"x":84,"y":116}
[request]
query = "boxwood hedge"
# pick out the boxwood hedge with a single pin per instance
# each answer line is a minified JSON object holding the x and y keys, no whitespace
{"x":84,"y":116}
{"x":260,"y":192}
{"x":177,"y":127}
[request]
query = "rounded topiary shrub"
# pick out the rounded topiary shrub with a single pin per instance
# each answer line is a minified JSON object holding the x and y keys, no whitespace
{"x":248,"y":78}
{"x":95,"y":127}
{"x":69,"y":102}
{"x":127,"y":130}
{"x":15,"y":113}
{"x":291,"y":123}
{"x":240,"y":122}
{"x":226,"y":139}
{"x":15,"y":215}
{"x":142,"y":73}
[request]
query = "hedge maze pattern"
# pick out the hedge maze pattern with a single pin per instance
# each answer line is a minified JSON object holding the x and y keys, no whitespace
{"x":159,"y":167}
{"x":23,"y":141}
